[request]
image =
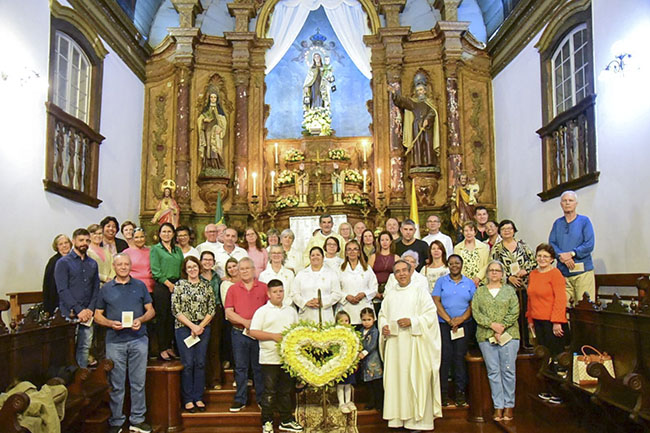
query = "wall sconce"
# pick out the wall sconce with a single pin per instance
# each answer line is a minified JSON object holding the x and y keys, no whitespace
{"x":618,"y":64}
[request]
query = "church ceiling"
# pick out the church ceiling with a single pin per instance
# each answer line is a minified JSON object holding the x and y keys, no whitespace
{"x":153,"y":17}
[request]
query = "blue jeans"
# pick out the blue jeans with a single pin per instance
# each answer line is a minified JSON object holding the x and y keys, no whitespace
{"x":132,"y":355}
{"x":84,"y":340}
{"x":193,"y":360}
{"x":500,"y":362}
{"x":453,"y":353}
{"x":246,"y":352}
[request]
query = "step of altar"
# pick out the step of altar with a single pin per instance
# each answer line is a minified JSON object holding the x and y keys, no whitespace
{"x":218,"y":415}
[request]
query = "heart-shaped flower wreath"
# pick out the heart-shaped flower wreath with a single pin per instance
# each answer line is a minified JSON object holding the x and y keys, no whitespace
{"x":320,"y":355}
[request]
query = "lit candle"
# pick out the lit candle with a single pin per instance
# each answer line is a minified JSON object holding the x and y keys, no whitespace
{"x":254,"y":174}
{"x":379,"y":179}
{"x":273,"y":182}
{"x":365,"y":155}
{"x":365,"y":179}
{"x":276,"y":153}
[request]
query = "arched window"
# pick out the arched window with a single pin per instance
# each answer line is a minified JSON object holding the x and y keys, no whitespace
{"x":571,"y":70}
{"x":73,"y":107}
{"x":568,"y":136}
{"x":72,"y":77}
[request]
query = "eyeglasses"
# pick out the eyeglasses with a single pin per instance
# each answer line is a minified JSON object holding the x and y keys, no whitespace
{"x":543,"y":256}
{"x":495,"y":270}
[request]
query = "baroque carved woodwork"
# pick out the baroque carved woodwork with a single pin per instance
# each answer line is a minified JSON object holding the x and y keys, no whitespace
{"x":457,"y":68}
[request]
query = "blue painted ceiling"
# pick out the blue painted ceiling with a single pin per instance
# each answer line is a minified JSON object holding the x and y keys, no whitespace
{"x":153,"y":17}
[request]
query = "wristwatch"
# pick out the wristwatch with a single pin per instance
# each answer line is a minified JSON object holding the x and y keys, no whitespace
{"x":573,"y":253}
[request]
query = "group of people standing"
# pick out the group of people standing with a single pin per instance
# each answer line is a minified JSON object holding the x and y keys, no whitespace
{"x":221,"y":303}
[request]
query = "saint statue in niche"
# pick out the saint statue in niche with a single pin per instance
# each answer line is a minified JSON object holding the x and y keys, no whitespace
{"x":421,"y":129}
{"x":167,"y":210}
{"x":463,"y":199}
{"x":318,"y":85}
{"x":212,"y":126}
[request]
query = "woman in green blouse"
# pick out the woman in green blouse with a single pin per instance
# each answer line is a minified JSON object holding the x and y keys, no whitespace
{"x":193,"y":306}
{"x":165,"y":258}
{"x":518,"y":261}
{"x":495,"y":308}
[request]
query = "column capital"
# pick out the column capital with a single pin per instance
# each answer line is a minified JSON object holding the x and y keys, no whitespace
{"x":187,"y":11}
{"x":448,"y":9}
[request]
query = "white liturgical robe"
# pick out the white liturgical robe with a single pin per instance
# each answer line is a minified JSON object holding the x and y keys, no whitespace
{"x":411,"y":359}
{"x":305,"y":287}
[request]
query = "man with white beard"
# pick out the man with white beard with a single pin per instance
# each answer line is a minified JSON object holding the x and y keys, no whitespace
{"x":411,"y":349}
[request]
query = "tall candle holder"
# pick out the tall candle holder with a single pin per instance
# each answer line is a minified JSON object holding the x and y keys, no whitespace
{"x":365,"y":207}
{"x":272,"y":211}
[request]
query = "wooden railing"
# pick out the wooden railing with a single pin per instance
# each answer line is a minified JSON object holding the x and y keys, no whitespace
{"x":72,"y":161}
{"x":569,"y":149}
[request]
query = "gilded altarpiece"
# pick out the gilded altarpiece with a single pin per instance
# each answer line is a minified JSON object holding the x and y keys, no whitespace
{"x":454,"y":66}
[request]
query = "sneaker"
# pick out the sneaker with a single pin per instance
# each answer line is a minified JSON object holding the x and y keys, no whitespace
{"x":343,"y":407}
{"x":352,"y":406}
{"x":291,"y":426}
{"x":236,"y":406}
{"x":445,"y":401}
{"x":555,"y":400}
{"x":140,"y":427}
{"x":267,"y":427}
{"x":544,"y":396}
{"x":460,"y":399}
{"x":115,"y":429}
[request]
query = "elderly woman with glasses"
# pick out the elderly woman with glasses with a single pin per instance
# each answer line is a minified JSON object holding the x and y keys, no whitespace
{"x":495,"y":308}
{"x":276,"y":270}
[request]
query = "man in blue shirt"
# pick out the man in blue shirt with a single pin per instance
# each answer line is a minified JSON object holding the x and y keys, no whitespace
{"x":572,"y":237}
{"x":123,"y":305}
{"x":77,"y":282}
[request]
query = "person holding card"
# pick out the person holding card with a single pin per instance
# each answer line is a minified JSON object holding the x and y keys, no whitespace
{"x":518,"y":261}
{"x":411,"y":346}
{"x":123,"y":306}
{"x":452,"y":295}
{"x":77,"y":283}
{"x":193,"y":306}
{"x":572,"y":237}
{"x":495,"y":308}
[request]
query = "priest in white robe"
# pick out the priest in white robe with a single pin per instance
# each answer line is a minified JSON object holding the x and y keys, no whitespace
{"x":411,"y":349}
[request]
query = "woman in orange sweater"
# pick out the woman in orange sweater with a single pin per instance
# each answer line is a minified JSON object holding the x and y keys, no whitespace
{"x":547,"y":306}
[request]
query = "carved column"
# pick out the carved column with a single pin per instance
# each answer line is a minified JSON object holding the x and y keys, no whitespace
{"x":452,"y":50}
{"x":391,"y":37}
{"x":448,"y":9}
{"x":185,"y":37}
{"x":241,"y":40}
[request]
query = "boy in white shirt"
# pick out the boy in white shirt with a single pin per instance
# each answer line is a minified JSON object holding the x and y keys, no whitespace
{"x":267,"y":325}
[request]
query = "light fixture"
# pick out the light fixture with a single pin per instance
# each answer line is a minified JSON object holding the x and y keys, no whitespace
{"x":618,"y":64}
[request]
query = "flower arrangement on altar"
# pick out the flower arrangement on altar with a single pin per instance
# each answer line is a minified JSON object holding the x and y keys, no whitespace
{"x":294,"y":155}
{"x":352,"y":175}
{"x":317,"y":121}
{"x":286,"y":177}
{"x":286,"y":201}
{"x":338,"y":155}
{"x":354,"y":199}
{"x":321,"y":355}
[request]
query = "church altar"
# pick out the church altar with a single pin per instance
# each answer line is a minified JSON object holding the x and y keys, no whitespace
{"x":225,"y":117}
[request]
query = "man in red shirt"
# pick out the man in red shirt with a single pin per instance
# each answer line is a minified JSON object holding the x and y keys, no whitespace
{"x":242,"y":300}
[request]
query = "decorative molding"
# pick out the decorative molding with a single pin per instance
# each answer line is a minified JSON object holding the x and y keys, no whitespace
{"x":73,"y":17}
{"x":116,"y":28}
{"x":261,"y":26}
{"x":558,"y":19}
{"x":521,"y":26}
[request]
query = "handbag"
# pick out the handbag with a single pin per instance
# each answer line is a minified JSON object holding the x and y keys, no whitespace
{"x":580,"y":363}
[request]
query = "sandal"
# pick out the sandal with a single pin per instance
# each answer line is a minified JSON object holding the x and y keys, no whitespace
{"x":164,"y":356}
{"x":190,"y":407}
{"x":200,"y":406}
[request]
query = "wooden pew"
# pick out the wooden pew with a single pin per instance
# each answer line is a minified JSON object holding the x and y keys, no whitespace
{"x":620,"y":404}
{"x":35,"y":348}
{"x":18,"y":299}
